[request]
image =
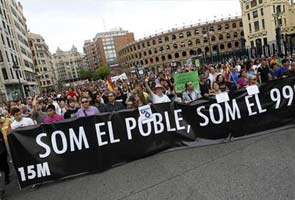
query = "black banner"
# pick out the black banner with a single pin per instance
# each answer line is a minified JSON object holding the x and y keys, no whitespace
{"x":93,"y":144}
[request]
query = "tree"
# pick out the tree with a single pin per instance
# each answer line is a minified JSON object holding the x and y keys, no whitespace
{"x":86,"y":74}
{"x":102,"y":72}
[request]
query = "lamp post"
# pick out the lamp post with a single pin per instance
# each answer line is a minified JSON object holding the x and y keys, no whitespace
{"x":278,"y":16}
{"x":209,"y":35}
{"x":17,"y":70}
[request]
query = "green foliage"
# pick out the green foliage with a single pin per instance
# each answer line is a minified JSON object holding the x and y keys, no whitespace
{"x":101,"y":72}
{"x":86,"y":74}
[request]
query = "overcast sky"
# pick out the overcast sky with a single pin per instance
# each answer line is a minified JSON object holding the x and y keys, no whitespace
{"x":63,"y":23}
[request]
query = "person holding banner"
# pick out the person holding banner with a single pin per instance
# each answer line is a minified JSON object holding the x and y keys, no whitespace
{"x":113,"y":105}
{"x":20,"y":121}
{"x":190,"y":94}
{"x":86,"y":109}
{"x":52,"y":116}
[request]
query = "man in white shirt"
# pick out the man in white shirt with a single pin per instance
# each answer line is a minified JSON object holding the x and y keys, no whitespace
{"x":19,"y":120}
{"x":158,"y":96}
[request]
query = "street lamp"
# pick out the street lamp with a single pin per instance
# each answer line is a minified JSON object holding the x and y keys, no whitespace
{"x":209,"y":34}
{"x":278,"y":16}
{"x":17,"y":70}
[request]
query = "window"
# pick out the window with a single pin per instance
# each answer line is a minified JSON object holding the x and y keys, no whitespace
{"x":235,"y":34}
{"x":197,"y":32}
{"x":154,"y":42}
{"x":160,"y":40}
{"x":237,"y":44}
{"x":260,"y":1}
{"x":175,"y":46}
{"x":226,"y":26}
{"x":253,"y":3}
{"x":180,"y":35}
{"x":228,"y":36}
{"x":188,"y":34}
{"x":198,"y":41}
{"x":250,"y":28}
{"x":176,"y":55}
{"x":219,"y":27}
{"x":234,"y":25}
{"x":4,"y":72}
{"x":3,"y":41}
{"x":256,"y":26}
{"x":1,"y":57}
{"x":173,"y":37}
{"x":229,"y":45}
{"x":261,"y":12}
{"x":166,"y":39}
{"x":255,"y":14}
{"x":263,"y":24}
{"x":249,"y":18}
{"x":213,"y":38}
{"x":220,"y":37}
{"x":252,"y":44}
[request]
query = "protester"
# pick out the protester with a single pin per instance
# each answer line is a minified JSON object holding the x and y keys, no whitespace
{"x":52,"y":116}
{"x":72,"y":109}
{"x":112,"y":104}
{"x":243,"y":80}
{"x":190,"y":94}
{"x":291,"y":71}
{"x":20,"y":121}
{"x":282,"y":68}
{"x":98,"y":103}
{"x":215,"y":90}
{"x":263,"y":72}
{"x":158,"y":96}
{"x":86,"y":109}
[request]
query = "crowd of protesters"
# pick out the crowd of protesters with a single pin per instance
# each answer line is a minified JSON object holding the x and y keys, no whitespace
{"x":148,"y":88}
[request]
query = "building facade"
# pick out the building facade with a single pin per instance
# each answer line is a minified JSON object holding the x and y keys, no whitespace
{"x":269,"y":25}
{"x":42,"y":59}
{"x":103,"y":49}
{"x":179,"y":45}
{"x":68,"y":65}
{"x":17,"y":75}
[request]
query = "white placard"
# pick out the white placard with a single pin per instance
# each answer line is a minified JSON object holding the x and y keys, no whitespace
{"x":222,"y":97}
{"x":145,"y":114}
{"x":253,"y":89}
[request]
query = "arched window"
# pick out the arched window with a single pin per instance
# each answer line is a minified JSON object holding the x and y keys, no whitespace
{"x":206,"y":49}
{"x":213,"y":38}
{"x":191,"y":52}
{"x":237,"y":44}
{"x":241,"y":24}
{"x":205,"y":40}
{"x":146,"y":61}
{"x":160,"y":40}
{"x":190,"y":43}
{"x":234,"y":25}
{"x":176,"y":55}
{"x":167,"y":47}
{"x":197,"y":32}
{"x":175,"y":46}
{"x":182,"y":45}
{"x":199,"y":51}
{"x":155,"y":50}
{"x":151,"y":60}
{"x":204,"y":30}
{"x":144,"y":53}
{"x":242,"y":33}
{"x":169,"y":56}
{"x":188,"y":34}
{"x":180,"y":35}
{"x":222,"y":46}
{"x":219,"y":27}
{"x":226,"y":26}
{"x":154,"y":42}
{"x":229,"y":45}
{"x":157,"y":59}
{"x":184,"y":54}
{"x":198,"y":41}
{"x":211,"y":29}
{"x":166,"y":39}
{"x":163,"y":58}
{"x":173,"y":37}
{"x":150,"y":52}
{"x":220,"y":37}
{"x":228,"y":35}
{"x":235,"y":34}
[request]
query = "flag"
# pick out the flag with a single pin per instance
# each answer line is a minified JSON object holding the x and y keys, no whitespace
{"x":110,"y":85}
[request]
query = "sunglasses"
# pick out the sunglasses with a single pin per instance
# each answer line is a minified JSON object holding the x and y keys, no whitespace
{"x":84,"y":101}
